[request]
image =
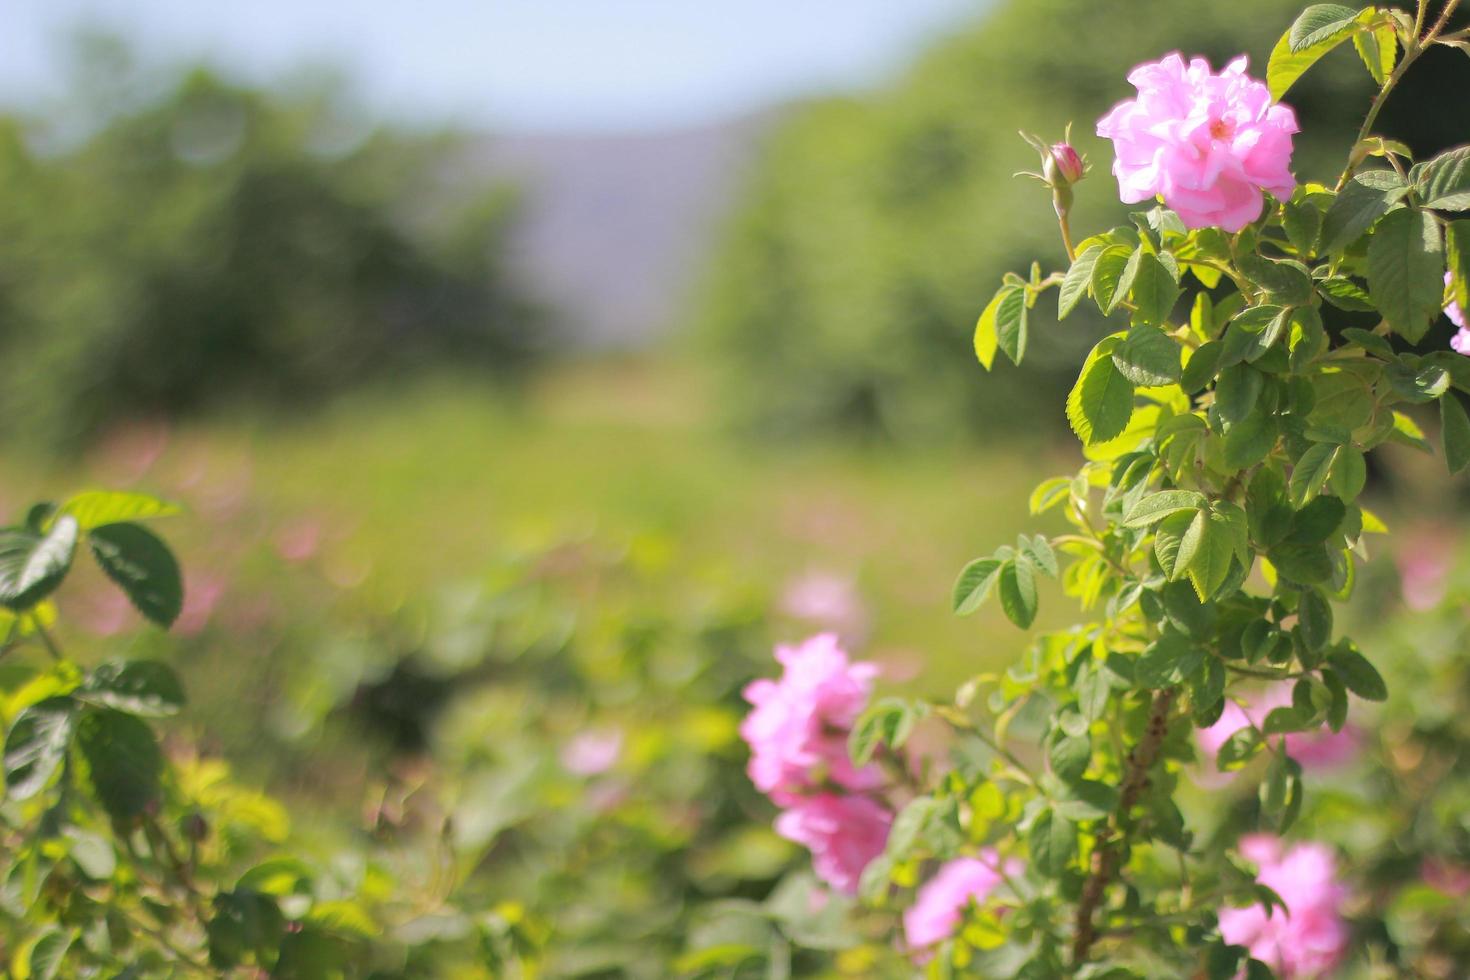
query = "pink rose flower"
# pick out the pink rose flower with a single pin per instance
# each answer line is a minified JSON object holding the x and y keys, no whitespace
{"x":590,"y":753}
{"x":1208,"y":144}
{"x":1311,"y":938}
{"x":826,"y":600}
{"x":844,"y":833}
{"x":1322,"y":749}
{"x":942,"y":900}
{"x":1424,"y":565}
{"x":797,"y":731}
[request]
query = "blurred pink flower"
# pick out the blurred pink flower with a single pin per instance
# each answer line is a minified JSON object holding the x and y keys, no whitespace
{"x":942,"y":900}
{"x":1322,"y":749}
{"x":797,"y":731}
{"x":844,"y":833}
{"x":828,"y":600}
{"x":1460,"y":342}
{"x":590,"y":753}
{"x":1311,"y":938}
{"x":129,"y":451}
{"x":1446,"y":877}
{"x":1208,"y":144}
{"x":1424,"y":563}
{"x":202,"y":592}
{"x":102,"y":611}
{"x":299,"y":540}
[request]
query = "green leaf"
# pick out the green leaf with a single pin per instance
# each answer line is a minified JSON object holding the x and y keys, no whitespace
{"x":1321,"y":22}
{"x":1069,"y":755}
{"x":1155,"y":290}
{"x":1101,"y":402}
{"x":1454,"y":432}
{"x":1345,"y":294}
{"x":1010,"y":324}
{"x":1314,"y":615}
{"x":1156,"y":506}
{"x":1349,"y":473}
{"x":97,"y":507}
{"x":1369,"y":341}
{"x":1239,"y":749}
{"x":1148,"y":357}
{"x":1286,"y":66}
{"x":1360,"y":676}
{"x":890,"y":722}
{"x":44,"y":956}
{"x":1075,"y":282}
{"x":33,"y":565}
{"x":1444,"y":182}
{"x":1288,"y":282}
{"x":1367,"y":197}
{"x":138,"y":687}
{"x":143,"y":568}
{"x":1237,"y":390}
{"x":1302,"y":224}
{"x":1107,"y":272}
{"x":1018,"y":592}
{"x":973,"y":586}
{"x":1311,"y":472}
{"x":1202,"y":367}
{"x":1252,"y":333}
{"x":1379,"y":51}
{"x":1406,"y":272}
{"x":1039,"y":550}
{"x":986,"y":341}
{"x":1250,"y":440}
{"x":1168,"y":537}
{"x":1168,"y":661}
{"x":35,"y":746}
{"x":1053,"y":843}
{"x":1457,"y":255}
{"x":123,"y":761}
{"x":1209,"y":553}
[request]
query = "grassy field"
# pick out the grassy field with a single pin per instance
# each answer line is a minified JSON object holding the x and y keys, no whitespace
{"x":416,"y":486}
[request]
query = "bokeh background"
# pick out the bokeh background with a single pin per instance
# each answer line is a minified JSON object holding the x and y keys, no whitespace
{"x":528,"y":368}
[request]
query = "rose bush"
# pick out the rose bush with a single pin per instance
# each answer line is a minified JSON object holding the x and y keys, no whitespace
{"x":1265,"y":345}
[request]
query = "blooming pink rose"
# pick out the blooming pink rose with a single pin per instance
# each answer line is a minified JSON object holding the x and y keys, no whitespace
{"x":797,"y":731}
{"x":1208,"y":144}
{"x":1322,"y":749}
{"x":1311,"y":938}
{"x":844,"y":833}
{"x":936,"y":911}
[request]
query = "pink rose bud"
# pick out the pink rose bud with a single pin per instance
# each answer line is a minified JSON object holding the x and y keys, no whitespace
{"x":1065,"y":163}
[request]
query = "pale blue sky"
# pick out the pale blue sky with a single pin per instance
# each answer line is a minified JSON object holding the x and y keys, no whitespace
{"x":540,"y":64}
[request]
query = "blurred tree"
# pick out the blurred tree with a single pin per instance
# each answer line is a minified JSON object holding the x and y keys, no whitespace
{"x":849,"y":282}
{"x":164,"y":251}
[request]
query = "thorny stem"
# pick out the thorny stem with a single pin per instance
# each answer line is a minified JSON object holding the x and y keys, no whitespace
{"x":1107,"y":853}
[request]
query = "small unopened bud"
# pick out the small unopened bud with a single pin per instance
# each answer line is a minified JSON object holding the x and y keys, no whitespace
{"x":1064,"y":164}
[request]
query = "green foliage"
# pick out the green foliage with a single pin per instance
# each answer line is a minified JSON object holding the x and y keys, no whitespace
{"x":841,"y":297}
{"x":202,"y":247}
{"x":1214,"y":524}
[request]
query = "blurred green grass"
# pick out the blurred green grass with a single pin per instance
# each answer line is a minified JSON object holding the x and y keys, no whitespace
{"x":419,"y":484}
